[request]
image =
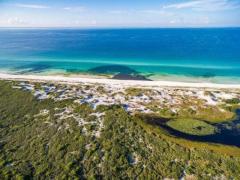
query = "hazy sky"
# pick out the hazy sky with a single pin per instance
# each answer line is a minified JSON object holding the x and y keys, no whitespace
{"x":119,"y":13}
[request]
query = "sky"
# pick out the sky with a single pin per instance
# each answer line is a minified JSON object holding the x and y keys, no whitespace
{"x":119,"y":13}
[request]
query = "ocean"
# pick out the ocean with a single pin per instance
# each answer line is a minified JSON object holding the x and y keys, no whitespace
{"x":184,"y":54}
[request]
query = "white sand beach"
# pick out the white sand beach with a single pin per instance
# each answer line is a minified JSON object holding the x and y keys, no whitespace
{"x":125,"y":83}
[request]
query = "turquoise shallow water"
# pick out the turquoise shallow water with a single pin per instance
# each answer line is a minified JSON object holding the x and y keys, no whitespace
{"x":170,"y":54}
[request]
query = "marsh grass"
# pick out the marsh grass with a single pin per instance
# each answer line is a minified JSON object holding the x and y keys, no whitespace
{"x":192,"y":126}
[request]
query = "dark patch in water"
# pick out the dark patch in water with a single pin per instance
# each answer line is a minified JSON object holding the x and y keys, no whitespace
{"x":228,"y":132}
{"x":113,"y":69}
{"x":130,"y":77}
{"x":208,"y":75}
{"x":75,"y":71}
{"x":33,"y":68}
{"x":119,"y":71}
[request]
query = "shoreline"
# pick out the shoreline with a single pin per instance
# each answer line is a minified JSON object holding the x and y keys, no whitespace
{"x":126,"y":83}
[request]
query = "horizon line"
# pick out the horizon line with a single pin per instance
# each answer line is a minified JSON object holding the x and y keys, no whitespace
{"x":124,"y":27}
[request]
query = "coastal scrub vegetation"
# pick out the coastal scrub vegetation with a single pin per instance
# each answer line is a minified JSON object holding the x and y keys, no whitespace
{"x":44,"y":138}
{"x":189,"y":107}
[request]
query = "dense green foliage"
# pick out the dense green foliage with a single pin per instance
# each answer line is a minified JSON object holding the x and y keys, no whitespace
{"x":37,"y":143}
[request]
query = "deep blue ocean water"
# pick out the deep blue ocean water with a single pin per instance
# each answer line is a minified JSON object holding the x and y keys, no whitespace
{"x":207,"y":54}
